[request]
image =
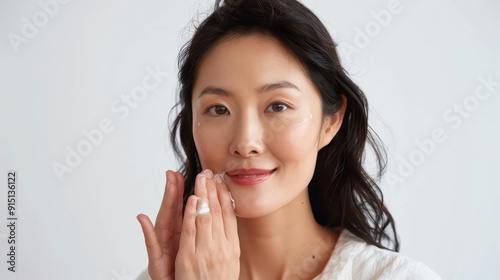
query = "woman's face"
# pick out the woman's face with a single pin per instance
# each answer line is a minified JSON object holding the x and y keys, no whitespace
{"x":257,"y":117}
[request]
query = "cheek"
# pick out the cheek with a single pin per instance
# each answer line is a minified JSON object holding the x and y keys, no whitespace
{"x":210,"y":146}
{"x":295,"y":139}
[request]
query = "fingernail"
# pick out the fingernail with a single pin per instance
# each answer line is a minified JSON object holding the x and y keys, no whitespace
{"x":202,"y":207}
{"x":202,"y":179}
{"x":218,"y":178}
{"x":208,"y":173}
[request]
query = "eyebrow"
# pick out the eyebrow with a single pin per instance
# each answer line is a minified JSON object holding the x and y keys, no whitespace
{"x":262,"y":89}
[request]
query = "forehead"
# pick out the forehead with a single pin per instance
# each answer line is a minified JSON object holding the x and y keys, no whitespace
{"x":249,"y":61}
{"x":253,"y":45}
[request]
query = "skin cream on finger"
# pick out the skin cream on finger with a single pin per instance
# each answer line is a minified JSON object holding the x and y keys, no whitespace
{"x":232,"y":201}
{"x":224,"y":180}
{"x":202,"y":207}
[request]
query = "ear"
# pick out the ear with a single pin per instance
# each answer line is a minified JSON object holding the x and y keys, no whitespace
{"x":331,"y":125}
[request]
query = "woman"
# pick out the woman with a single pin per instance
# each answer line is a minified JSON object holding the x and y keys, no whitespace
{"x":273,"y":133}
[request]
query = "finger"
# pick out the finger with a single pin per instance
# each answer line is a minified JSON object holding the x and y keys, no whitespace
{"x":180,"y":196}
{"x":204,"y":220}
{"x":228,"y":212}
{"x":152,"y":245}
{"x":167,"y":221}
{"x":188,"y":234}
{"x":199,"y":190}
{"x":215,"y":209}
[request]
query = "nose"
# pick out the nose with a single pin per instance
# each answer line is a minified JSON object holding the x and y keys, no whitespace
{"x":247,"y":140}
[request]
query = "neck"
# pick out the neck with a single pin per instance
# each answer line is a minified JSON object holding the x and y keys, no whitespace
{"x":287,"y":243}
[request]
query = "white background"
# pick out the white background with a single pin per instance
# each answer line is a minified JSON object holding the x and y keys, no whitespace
{"x":415,"y":68}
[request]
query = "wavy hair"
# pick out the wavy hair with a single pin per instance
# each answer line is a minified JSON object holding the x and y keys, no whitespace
{"x":341,"y":192}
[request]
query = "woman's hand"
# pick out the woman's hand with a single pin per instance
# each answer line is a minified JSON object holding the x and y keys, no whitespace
{"x":162,"y":240}
{"x":209,"y":245}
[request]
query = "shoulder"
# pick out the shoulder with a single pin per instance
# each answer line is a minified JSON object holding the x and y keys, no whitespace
{"x":353,"y":258}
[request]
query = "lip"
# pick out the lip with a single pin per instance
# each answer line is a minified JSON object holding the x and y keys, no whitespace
{"x":249,"y":176}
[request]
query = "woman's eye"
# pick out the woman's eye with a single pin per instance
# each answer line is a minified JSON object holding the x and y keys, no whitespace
{"x":277,"y":107}
{"x":218,"y":110}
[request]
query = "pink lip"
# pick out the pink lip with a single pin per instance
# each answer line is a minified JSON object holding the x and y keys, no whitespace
{"x":249,"y":177}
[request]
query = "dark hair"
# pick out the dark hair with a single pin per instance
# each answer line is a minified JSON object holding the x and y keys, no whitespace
{"x":341,"y":192}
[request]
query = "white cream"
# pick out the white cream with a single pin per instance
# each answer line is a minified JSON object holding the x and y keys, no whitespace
{"x":202,"y":207}
{"x":222,"y":174}
{"x":232,"y":201}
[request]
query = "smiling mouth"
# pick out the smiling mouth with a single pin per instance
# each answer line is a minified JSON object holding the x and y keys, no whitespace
{"x":249,"y":177}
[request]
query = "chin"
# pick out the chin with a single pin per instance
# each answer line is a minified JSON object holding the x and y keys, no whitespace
{"x":246,"y":212}
{"x":249,"y":215}
{"x":253,"y":211}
